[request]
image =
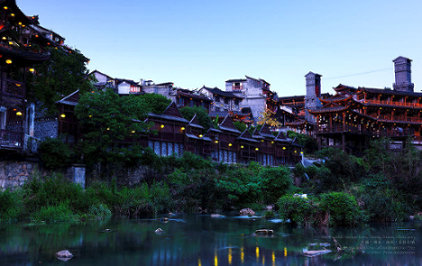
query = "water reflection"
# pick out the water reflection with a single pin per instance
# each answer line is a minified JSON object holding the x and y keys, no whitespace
{"x":200,"y":240}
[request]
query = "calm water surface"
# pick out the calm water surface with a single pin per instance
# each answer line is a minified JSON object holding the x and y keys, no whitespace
{"x":202,"y":240}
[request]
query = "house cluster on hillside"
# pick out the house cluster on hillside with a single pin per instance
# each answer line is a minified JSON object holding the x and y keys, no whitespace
{"x":348,"y":119}
{"x":23,"y":45}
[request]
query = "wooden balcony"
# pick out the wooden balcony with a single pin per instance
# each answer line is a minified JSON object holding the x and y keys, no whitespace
{"x":14,"y":88}
{"x":11,"y":139}
{"x":399,"y":119}
{"x":394,"y":104}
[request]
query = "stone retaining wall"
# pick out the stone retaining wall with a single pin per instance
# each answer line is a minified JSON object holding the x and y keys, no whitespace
{"x":14,"y":174}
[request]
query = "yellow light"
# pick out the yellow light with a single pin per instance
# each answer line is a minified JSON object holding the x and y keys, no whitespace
{"x":272,"y":142}
{"x":242,"y":147}
{"x":31,"y":70}
{"x":199,"y":262}
{"x":285,"y":252}
{"x":5,"y":8}
{"x":90,"y":116}
{"x":133,"y":132}
{"x":63,"y":116}
{"x":200,"y":135}
{"x":257,"y":149}
{"x":12,"y":14}
{"x":284,"y":148}
{"x":216,"y":141}
{"x":230,"y":257}
{"x":182,"y":128}
{"x":215,"y":259}
{"x":230,"y":144}
{"x":108,"y":129}
{"x":262,"y":140}
{"x":19,"y":113}
{"x":23,"y":26}
{"x":18,"y":84}
{"x":10,"y":43}
{"x":162,"y":126}
{"x":301,"y":152}
{"x":257,"y":252}
{"x":242,"y":255}
{"x":273,"y":257}
{"x":8,"y":61}
{"x":4,"y":38}
{"x":295,"y":151}
{"x":20,"y":23}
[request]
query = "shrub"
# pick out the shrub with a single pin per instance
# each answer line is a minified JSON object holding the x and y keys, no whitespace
{"x":99,"y":211}
{"x":11,"y":205}
{"x":342,"y":208}
{"x":275,"y":182}
{"x":54,"y":154}
{"x":55,"y":213}
{"x":297,"y":209}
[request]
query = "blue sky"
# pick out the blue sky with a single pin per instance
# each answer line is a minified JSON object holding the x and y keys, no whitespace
{"x":195,"y":43}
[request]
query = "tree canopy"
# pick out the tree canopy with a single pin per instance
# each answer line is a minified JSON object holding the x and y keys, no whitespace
{"x":59,"y":76}
{"x":107,"y":120}
{"x":201,"y":113}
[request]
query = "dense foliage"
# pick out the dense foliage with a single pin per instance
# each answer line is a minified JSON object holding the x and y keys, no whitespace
{"x":54,"y":154}
{"x":201,"y":114}
{"x":57,"y":77}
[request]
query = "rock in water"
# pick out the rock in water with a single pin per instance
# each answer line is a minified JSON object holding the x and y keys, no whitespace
{"x":64,"y":255}
{"x":264,"y":231}
{"x":159,"y":231}
{"x":247,"y":211}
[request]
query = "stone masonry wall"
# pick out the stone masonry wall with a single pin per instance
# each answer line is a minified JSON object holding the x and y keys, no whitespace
{"x":15,"y":174}
{"x":46,"y":128}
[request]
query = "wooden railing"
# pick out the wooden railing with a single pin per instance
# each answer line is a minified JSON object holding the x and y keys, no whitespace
{"x":11,"y":139}
{"x":400,"y":118}
{"x":14,"y":88}
{"x":394,"y":103}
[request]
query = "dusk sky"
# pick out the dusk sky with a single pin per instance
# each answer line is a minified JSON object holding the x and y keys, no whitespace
{"x":195,"y":43}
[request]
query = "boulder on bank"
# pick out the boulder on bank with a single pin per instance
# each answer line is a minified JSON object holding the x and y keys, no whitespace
{"x":247,"y":211}
{"x":64,"y":255}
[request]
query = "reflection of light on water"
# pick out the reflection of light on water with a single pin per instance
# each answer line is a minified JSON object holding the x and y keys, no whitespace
{"x":257,"y":252}
{"x":215,"y":258}
{"x":199,"y":262}
{"x":230,"y":256}
{"x":273,"y":258}
{"x":285,"y":252}
{"x":242,"y":255}
{"x":263,"y":260}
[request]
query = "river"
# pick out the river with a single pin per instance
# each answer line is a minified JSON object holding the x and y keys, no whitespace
{"x":202,"y":240}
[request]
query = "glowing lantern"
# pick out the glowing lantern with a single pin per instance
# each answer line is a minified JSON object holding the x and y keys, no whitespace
{"x":182,"y":128}
{"x":257,"y":149}
{"x":8,"y":61}
{"x":284,"y":148}
{"x":5,"y":8}
{"x":108,"y":129}
{"x":200,"y":135}
{"x":63,"y":115}
{"x":216,"y":141}
{"x":12,"y":14}
{"x":20,"y":23}
{"x":133,"y":132}
{"x":19,"y":113}
{"x":230,"y":144}
{"x":4,"y":38}
{"x":31,"y":70}
{"x":162,"y":126}
{"x":242,"y":147}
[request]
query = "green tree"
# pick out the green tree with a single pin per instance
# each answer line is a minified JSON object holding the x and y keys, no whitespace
{"x":240,"y":125}
{"x":64,"y":73}
{"x":107,"y":120}
{"x":201,"y":113}
{"x":275,"y":182}
{"x":156,"y":103}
